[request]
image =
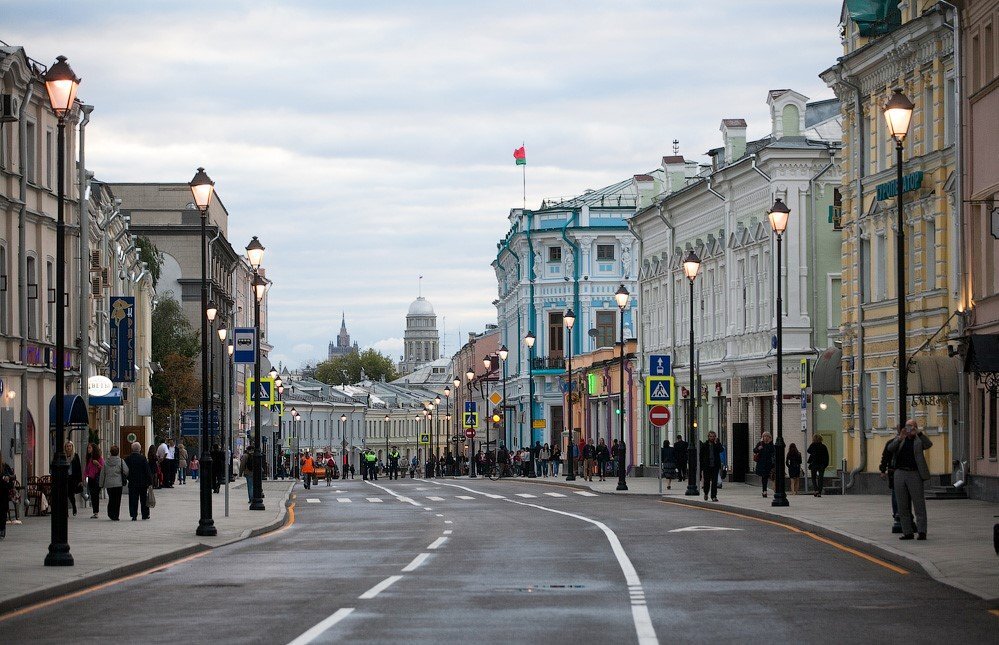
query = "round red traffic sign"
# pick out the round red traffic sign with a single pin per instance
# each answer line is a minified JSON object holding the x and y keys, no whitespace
{"x":659,"y":415}
{"x":470,"y":433}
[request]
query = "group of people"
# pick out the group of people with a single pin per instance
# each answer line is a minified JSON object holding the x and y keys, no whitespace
{"x":113,"y":476}
{"x":765,"y":456}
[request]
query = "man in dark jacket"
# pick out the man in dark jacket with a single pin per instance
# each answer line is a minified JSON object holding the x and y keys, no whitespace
{"x":911,"y":471}
{"x":710,"y":464}
{"x":140,"y":478}
{"x":680,"y":448}
{"x":887,"y":468}
{"x":218,"y":467}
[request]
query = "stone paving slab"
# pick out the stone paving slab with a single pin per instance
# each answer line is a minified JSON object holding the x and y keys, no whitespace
{"x":958,"y":553}
{"x":103,"y":550}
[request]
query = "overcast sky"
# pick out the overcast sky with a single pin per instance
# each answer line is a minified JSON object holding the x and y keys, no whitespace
{"x":367,"y":143}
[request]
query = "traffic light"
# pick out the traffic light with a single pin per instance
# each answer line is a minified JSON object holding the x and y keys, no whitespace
{"x":497,"y":417}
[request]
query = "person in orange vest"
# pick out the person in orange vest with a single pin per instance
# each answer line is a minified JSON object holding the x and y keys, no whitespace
{"x":308,"y":470}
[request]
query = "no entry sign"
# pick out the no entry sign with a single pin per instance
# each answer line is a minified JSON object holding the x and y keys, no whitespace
{"x":659,"y":415}
{"x":470,"y":433}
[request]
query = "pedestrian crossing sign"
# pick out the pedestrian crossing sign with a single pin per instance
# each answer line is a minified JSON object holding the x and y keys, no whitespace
{"x":424,"y":438}
{"x":659,"y":390}
{"x":471,"y":419}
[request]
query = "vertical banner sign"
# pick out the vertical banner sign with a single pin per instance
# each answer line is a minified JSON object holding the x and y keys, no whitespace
{"x":122,"y":353}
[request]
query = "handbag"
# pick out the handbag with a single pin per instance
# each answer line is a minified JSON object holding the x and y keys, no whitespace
{"x":150,"y":497}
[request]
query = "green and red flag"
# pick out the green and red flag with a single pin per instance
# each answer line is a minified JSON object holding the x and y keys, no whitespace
{"x":521,"y":156}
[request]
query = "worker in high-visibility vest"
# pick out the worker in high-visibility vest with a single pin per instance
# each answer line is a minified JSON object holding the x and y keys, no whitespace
{"x":371,"y":461}
{"x":393,"y":463}
{"x":308,"y":470}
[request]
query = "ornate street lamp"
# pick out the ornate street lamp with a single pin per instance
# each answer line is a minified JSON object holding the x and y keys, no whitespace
{"x":778,"y":216}
{"x":203,"y":189}
{"x":343,"y":440}
{"x":622,"y":297}
{"x":898,"y":114}
{"x":691,"y":265}
{"x":529,"y":340}
{"x":470,"y":377}
{"x":212,"y":313}
{"x":503,"y":354}
{"x":569,"y":319}
{"x":255,"y":255}
{"x":61,"y":85}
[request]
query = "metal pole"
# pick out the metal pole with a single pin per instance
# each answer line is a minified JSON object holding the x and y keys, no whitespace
{"x":471,"y":455}
{"x":621,"y":483}
{"x":692,"y":410}
{"x":780,"y":493}
{"x":903,"y":367}
{"x":206,"y":525}
{"x":59,"y":555}
{"x":530,"y":404}
{"x":570,"y":475}
{"x":257,"y":504}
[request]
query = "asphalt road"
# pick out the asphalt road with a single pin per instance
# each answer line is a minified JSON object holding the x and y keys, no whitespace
{"x":501,"y":562}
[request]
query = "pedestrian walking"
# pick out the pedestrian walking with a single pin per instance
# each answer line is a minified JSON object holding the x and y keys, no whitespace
{"x":246,"y":465}
{"x":911,"y":470}
{"x":154,"y":465}
{"x":793,"y":463}
{"x":603,"y":456}
{"x":887,"y":468}
{"x":667,"y":459}
{"x":544,"y":456}
{"x":556,"y":459}
{"x":113,"y":477}
{"x":92,"y":471}
{"x":8,"y":482}
{"x":195,"y":467}
{"x":140,"y":477}
{"x":75,"y":474}
{"x":680,"y":448}
{"x":308,"y":468}
{"x":818,"y":461}
{"x":182,"y":464}
{"x":711,"y":461}
{"x":764,"y":454}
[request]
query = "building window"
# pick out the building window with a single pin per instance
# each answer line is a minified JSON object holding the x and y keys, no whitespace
{"x":606,"y":327}
{"x":554,"y":253}
{"x":881,"y":261}
{"x":49,"y":156}
{"x":931,"y":256}
{"x":556,"y":335}
{"x":32,"y":282}
{"x":949,"y":117}
{"x":605,"y":252}
{"x":865,"y":268}
{"x":30,"y":158}
{"x":49,"y":301}
{"x":928,"y":118}
{"x":993,"y":426}
{"x":883,"y":399}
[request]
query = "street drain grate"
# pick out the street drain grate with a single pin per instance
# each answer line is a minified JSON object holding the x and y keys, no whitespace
{"x":537,"y":588}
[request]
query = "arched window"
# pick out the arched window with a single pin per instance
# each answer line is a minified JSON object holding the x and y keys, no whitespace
{"x":789,"y":117}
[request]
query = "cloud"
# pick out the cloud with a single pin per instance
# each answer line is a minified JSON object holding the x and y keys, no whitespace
{"x":391,"y":347}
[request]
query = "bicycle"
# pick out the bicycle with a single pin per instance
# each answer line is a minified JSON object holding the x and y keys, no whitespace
{"x":493,"y":472}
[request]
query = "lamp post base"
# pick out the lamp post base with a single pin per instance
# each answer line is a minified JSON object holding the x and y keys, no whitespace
{"x":622,"y":486}
{"x":780,"y":499}
{"x":570,"y":477}
{"x":59,"y":556}
{"x":206,"y":528}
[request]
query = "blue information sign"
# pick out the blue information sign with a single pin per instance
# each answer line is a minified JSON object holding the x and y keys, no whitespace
{"x":659,"y":365}
{"x":470,"y":406}
{"x":244,"y":342}
{"x":122,"y":340}
{"x":190,"y":422}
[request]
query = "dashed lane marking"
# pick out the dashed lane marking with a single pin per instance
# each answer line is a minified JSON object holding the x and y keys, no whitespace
{"x":417,"y":561}
{"x":525,"y":495}
{"x":312,"y":500}
{"x":318,"y":630}
{"x":436,"y":499}
{"x":554,"y":494}
{"x":586,"y":493}
{"x":343,"y":500}
{"x":464,"y":497}
{"x":377,"y":500}
{"x":401,"y":498}
{"x":448,"y":532}
{"x":446,"y":521}
{"x":436,"y":543}
{"x":380,"y":587}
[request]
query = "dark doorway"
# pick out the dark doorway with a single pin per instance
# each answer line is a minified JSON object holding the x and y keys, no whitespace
{"x":557,"y":428}
{"x":740,"y":451}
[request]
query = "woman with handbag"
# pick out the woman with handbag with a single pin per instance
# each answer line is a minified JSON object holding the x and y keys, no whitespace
{"x":75,"y":474}
{"x":92,"y":471}
{"x":668,"y":460}
{"x":113,"y":478}
{"x":140,"y":482}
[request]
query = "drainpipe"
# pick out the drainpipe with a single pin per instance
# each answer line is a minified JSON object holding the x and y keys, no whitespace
{"x":761,"y":173}
{"x":813,"y":239}
{"x":22,"y":276}
{"x":575,"y":282}
{"x":532,"y":315}
{"x":715,"y":192}
{"x":84,"y":304}
{"x":635,"y":324}
{"x":632,"y":435}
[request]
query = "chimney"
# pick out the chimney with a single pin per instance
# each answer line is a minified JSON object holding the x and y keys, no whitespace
{"x":734,"y":137}
{"x":676,"y":175}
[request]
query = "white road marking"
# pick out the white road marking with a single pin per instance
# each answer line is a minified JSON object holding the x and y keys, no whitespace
{"x":439,"y":514}
{"x":585,"y":493}
{"x":417,"y":561}
{"x":380,"y":587}
{"x":377,"y":500}
{"x":527,"y":495}
{"x":554,"y":494}
{"x":317,"y":631}
{"x":448,"y":532}
{"x":702,"y":528}
{"x":344,"y":500}
{"x":436,"y":543}
{"x":427,"y":508}
{"x":464,"y":497}
{"x":640,"y":613}
{"x":436,"y":499}
{"x":446,"y":521}
{"x":313,"y":500}
{"x":401,"y":498}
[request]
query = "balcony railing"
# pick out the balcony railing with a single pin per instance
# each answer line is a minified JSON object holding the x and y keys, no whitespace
{"x":548,"y":363}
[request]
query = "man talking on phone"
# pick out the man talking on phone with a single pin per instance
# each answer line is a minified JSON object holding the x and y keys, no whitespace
{"x":910,"y":473}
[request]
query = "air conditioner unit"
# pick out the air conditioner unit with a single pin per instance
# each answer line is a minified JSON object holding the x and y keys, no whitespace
{"x":95,"y":261}
{"x":95,"y":287}
{"x":8,"y":108}
{"x":105,"y":278}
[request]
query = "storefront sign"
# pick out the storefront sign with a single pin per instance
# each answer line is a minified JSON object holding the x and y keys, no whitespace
{"x":910,"y":182}
{"x":122,"y":353}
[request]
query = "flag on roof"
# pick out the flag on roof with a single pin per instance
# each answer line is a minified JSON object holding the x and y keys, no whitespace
{"x":521,"y":156}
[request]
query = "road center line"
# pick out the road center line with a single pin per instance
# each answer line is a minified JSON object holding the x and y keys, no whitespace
{"x":380,"y":587}
{"x":640,"y":615}
{"x":436,"y":543}
{"x":317,"y":631}
{"x":401,"y":498}
{"x":417,"y":561}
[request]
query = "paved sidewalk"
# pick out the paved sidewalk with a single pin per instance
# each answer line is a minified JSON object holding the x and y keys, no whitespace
{"x":103,"y":550}
{"x":958,"y":552}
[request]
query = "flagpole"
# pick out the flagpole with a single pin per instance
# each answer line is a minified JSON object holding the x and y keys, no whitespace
{"x":523,"y":145}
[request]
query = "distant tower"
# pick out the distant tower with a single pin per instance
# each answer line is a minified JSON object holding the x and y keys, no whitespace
{"x":421,"y":342}
{"x":342,"y":346}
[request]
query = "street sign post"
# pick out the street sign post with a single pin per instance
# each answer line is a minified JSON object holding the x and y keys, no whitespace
{"x":495,"y":398}
{"x":424,"y":438}
{"x":470,"y":419}
{"x":659,"y":365}
{"x":470,"y":433}
{"x":470,"y":406}
{"x":264,"y":393}
{"x":659,"y":415}
{"x":659,"y":390}
{"x":244,"y":344}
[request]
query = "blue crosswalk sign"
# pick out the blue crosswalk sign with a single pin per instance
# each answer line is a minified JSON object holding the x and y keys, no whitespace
{"x":470,"y":406}
{"x":659,"y":390}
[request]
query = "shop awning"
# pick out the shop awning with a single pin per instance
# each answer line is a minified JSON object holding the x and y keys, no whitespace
{"x":932,"y":375}
{"x":114,"y":397}
{"x":74,"y":410}
{"x":983,"y":354}
{"x":827,"y":375}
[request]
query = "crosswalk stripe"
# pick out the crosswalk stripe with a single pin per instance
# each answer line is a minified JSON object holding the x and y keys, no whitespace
{"x":585,"y":493}
{"x":375,"y":499}
{"x":312,"y":500}
{"x":464,"y":497}
{"x":525,"y":495}
{"x":343,"y":500}
{"x":436,"y":499}
{"x":554,"y":494}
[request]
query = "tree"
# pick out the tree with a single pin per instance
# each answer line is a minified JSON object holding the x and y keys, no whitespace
{"x":176,"y":386}
{"x":172,"y":333}
{"x":151,"y":255}
{"x":348,"y":369}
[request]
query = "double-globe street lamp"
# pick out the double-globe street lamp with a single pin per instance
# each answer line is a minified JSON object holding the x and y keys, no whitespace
{"x":255,"y":256}
{"x":691,"y":265}
{"x":203,"y":189}
{"x":61,"y":85}
{"x":529,"y":340}
{"x":898,"y":114}
{"x":778,"y":216}
{"x":569,"y":319}
{"x":622,"y":297}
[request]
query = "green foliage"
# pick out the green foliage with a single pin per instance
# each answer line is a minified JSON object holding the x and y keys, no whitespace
{"x":151,"y":255}
{"x":348,"y":369}
{"x":171,"y":332}
{"x":175,"y":388}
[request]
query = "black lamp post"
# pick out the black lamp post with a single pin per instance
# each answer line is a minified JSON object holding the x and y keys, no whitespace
{"x":691,"y":265}
{"x":343,"y":442}
{"x":503,"y":354}
{"x":621,"y":297}
{"x":898,"y":113}
{"x":778,"y":215}
{"x":222,"y":334}
{"x":211,"y":313}
{"x":428,"y":459}
{"x":61,"y":85}
{"x":569,"y":319}
{"x":529,"y":341}
{"x":203,"y":189}
{"x":450,"y":424}
{"x":470,"y":377}
{"x":255,"y":255}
